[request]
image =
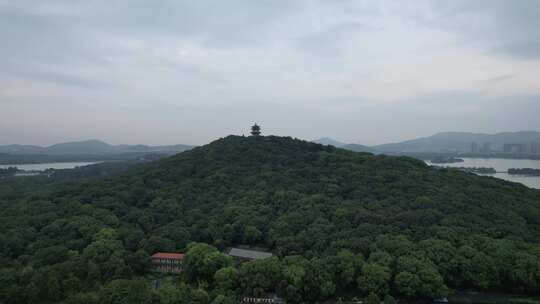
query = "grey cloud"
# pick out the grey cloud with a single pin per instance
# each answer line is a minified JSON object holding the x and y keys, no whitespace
{"x":65,"y":79}
{"x":328,"y":42}
{"x":450,"y":98}
{"x":510,"y":28}
{"x":214,"y":22}
{"x":498,"y":79}
{"x":31,"y":37}
{"x":529,"y":50}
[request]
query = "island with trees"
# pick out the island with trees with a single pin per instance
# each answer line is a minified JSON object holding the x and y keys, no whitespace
{"x":477,"y":170}
{"x":524,"y":171}
{"x":8,"y":172}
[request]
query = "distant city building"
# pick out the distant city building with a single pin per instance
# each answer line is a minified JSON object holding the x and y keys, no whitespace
{"x":515,"y":148}
{"x":486,"y":148}
{"x":255,"y":130}
{"x":507,"y":148}
{"x":535,"y":147}
{"x":474,"y":147}
{"x":245,"y":254}
{"x":167,"y":262}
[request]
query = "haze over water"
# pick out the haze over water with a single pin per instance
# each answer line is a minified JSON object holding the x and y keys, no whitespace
{"x":43,"y":167}
{"x":501,"y":165}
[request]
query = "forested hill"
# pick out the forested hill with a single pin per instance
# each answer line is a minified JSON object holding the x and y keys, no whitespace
{"x":341,"y":224}
{"x":402,"y":193}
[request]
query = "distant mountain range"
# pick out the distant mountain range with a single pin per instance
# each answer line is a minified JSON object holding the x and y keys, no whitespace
{"x":89,"y":147}
{"x":459,"y":142}
{"x":440,"y":142}
{"x":328,"y":141}
{"x":443,"y":142}
{"x":335,"y":143}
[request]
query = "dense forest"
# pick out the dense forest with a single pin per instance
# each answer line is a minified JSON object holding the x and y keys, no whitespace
{"x":341,"y":224}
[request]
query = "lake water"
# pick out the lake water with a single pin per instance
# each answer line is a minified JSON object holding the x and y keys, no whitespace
{"x":502,"y":164}
{"x":42,"y":167}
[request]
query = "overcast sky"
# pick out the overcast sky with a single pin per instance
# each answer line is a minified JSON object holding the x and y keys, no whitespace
{"x":170,"y":71}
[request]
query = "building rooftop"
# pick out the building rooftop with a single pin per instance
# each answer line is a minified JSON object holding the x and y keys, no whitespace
{"x":168,"y":255}
{"x":249,"y":254}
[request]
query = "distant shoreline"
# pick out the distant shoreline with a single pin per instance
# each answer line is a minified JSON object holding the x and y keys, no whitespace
{"x":27,"y":159}
{"x":453,"y":155}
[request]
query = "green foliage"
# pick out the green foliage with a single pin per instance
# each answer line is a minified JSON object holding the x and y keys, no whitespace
{"x":200,"y":296}
{"x":344,"y":268}
{"x":221,"y":299}
{"x":226,"y":279}
{"x":260,"y":276}
{"x":373,"y":298}
{"x":83,"y":298}
{"x":171,"y":294}
{"x":202,"y":261}
{"x":418,"y":278}
{"x":375,"y":279}
{"x":388,"y":299}
{"x":126,"y":292}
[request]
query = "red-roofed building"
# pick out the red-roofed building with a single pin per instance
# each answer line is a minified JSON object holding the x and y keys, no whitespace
{"x":168,"y":262}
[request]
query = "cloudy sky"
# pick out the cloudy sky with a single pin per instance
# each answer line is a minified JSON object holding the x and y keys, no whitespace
{"x":171,"y":71}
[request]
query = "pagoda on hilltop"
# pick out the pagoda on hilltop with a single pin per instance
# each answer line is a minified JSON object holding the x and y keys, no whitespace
{"x":255,"y":130}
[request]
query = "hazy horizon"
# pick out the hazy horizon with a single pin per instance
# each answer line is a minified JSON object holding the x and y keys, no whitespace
{"x":186,"y":72}
{"x":247,"y":134}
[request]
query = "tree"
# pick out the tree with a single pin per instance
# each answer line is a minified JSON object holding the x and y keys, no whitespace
{"x":320,"y":282}
{"x":374,"y":279}
{"x":295,"y":270}
{"x":476,"y":268}
{"x":388,"y":299}
{"x":226,"y":279}
{"x":396,"y":245}
{"x":50,"y":255}
{"x":382,"y":258}
{"x":93,"y":276}
{"x":106,"y":253}
{"x":156,"y":243}
{"x":200,"y":296}
{"x":221,"y":299}
{"x":526,"y":272}
{"x":443,"y":254}
{"x":344,"y":268}
{"x":373,"y":298}
{"x":83,"y":298}
{"x":71,"y":285}
{"x":260,"y":276}
{"x":126,"y":292}
{"x":418,"y":278}
{"x":169,"y":294}
{"x":140,"y":262}
{"x":202,"y":261}
{"x":251,"y":234}
{"x":407,"y":283}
